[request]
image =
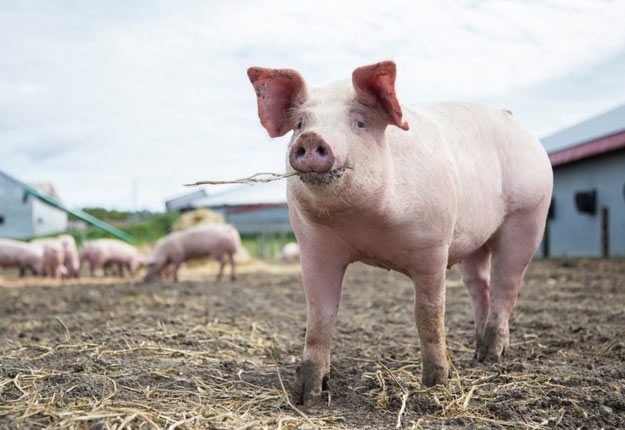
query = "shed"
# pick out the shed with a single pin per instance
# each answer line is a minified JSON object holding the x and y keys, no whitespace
{"x":252,"y":209}
{"x":27,"y":211}
{"x":587,"y":215}
{"x":23,"y":215}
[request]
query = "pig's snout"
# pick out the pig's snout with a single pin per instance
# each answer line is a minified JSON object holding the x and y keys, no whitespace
{"x":311,"y":154}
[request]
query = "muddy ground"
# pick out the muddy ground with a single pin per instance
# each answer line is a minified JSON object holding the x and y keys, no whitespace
{"x":207,"y":354}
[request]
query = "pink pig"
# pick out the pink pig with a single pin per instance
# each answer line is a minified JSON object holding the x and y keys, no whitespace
{"x":53,"y":257}
{"x":71,"y":260}
{"x":214,"y":240}
{"x":290,"y":253}
{"x":110,"y":254}
{"x":23,"y":255}
{"x":444,"y":184}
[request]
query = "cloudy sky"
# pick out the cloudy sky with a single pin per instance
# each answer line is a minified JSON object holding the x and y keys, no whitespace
{"x":97,"y":95}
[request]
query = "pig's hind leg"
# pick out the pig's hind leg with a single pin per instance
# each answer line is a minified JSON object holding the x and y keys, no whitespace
{"x":513,"y":246}
{"x":475,"y":270}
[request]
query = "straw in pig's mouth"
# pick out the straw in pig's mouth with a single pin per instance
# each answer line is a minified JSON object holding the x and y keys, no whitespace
{"x":262,"y":178}
{"x":314,"y":178}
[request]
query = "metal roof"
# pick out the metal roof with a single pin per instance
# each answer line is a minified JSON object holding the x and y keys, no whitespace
{"x":271,"y":192}
{"x":185,"y":201}
{"x":605,"y":124}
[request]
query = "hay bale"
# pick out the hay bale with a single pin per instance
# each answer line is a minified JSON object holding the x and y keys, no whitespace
{"x":197,"y":217}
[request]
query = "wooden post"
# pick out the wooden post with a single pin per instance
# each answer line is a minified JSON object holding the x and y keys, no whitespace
{"x":605,"y":232}
{"x":546,"y":243}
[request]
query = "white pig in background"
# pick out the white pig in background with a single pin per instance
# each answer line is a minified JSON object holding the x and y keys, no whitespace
{"x":21,"y":255}
{"x":71,"y":259}
{"x":53,"y":257}
{"x":290,"y":253}
{"x":110,"y":254}
{"x":412,"y":189}
{"x":207,"y":240}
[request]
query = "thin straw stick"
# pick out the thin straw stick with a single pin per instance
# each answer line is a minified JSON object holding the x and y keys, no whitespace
{"x":256,"y":178}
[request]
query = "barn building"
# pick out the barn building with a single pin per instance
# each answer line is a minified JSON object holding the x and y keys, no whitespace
{"x":587,"y":215}
{"x":252,"y":209}
{"x":23,"y":214}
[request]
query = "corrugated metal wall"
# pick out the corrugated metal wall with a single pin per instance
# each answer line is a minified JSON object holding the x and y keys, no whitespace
{"x":15,"y":211}
{"x":46,"y":218}
{"x":261,"y":221}
{"x":576,"y":234}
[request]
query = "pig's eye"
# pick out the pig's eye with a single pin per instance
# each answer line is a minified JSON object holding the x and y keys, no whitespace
{"x":360,"y":124}
{"x":300,"y":124}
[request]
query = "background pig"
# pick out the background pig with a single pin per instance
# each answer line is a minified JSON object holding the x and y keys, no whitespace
{"x":110,"y":254}
{"x":416,"y":190}
{"x":22,"y":255}
{"x":290,"y":253}
{"x":71,"y":260}
{"x":214,"y":240}
{"x":53,"y":257}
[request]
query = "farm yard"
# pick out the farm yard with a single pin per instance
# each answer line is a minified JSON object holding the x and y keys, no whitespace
{"x":106,"y":353}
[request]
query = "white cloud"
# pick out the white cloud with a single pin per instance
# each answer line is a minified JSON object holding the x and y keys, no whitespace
{"x":93,"y":96}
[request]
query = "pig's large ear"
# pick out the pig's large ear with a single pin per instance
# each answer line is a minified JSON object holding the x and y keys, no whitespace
{"x":375,"y":86}
{"x":277,"y":91}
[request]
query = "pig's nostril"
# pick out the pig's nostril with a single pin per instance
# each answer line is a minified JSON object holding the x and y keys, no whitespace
{"x":321,"y":150}
{"x":300,"y":152}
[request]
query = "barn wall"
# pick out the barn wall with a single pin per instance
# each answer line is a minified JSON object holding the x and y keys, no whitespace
{"x":47,"y":219}
{"x":576,"y":234}
{"x":15,"y":211}
{"x":268,"y":220}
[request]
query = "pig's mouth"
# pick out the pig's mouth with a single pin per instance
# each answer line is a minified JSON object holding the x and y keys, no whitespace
{"x":325,"y":178}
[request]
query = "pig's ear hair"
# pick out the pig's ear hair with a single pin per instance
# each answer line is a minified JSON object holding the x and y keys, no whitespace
{"x":277,"y":91}
{"x":375,"y":86}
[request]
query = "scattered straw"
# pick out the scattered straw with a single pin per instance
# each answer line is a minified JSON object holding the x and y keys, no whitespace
{"x":67,"y":336}
{"x":286,"y":395}
{"x":612,"y":343}
{"x":208,"y":355}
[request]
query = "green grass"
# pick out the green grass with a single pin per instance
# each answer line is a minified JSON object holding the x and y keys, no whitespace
{"x":143,"y":232}
{"x":148,"y":231}
{"x":268,"y":246}
{"x":108,"y":215}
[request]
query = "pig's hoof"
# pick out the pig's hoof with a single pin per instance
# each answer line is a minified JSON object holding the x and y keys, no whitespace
{"x":493,"y":346}
{"x":435,"y":375}
{"x":309,"y":384}
{"x":486,"y":355}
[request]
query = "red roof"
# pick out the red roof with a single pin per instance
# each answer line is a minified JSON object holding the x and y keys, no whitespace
{"x":253,"y":207}
{"x":588,"y":149}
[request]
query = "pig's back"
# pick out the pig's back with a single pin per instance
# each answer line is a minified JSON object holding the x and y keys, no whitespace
{"x":16,"y":252}
{"x":497,"y":166}
{"x":494,"y":156}
{"x":207,"y":239}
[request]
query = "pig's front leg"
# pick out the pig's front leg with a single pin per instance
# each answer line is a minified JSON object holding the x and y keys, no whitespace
{"x":322,"y":276}
{"x":430,"y":318}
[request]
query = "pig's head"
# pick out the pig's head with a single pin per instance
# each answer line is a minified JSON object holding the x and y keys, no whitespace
{"x":154,"y":265}
{"x":338,"y":148}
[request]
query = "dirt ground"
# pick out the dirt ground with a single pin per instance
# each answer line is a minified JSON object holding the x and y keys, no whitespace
{"x":200,"y":354}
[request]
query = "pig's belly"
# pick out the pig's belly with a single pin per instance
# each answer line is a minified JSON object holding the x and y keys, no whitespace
{"x":465,"y":241}
{"x":404,"y":255}
{"x":410,"y":252}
